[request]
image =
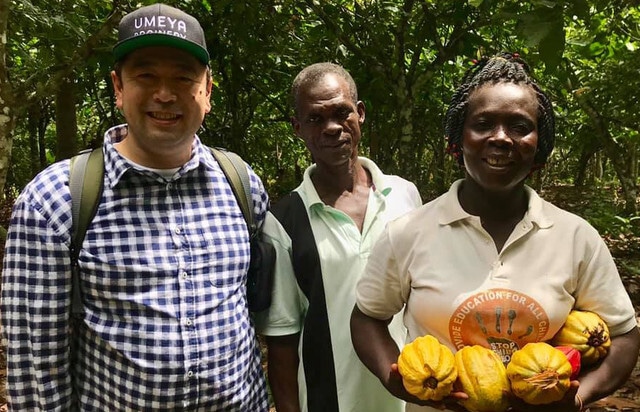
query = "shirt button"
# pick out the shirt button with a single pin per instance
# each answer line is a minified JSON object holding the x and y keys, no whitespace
{"x":189,"y":322}
{"x":177,"y":230}
{"x":184,"y":274}
{"x":189,"y":375}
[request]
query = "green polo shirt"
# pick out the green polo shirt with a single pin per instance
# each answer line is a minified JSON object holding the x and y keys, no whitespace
{"x":343,"y":251}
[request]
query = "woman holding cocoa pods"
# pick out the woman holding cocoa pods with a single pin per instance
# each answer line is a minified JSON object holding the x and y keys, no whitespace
{"x":491,"y":263}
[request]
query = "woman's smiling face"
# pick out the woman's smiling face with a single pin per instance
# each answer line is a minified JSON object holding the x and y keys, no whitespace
{"x":500,"y":135}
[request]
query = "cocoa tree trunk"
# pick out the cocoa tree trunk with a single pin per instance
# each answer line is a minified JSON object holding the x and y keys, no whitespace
{"x":582,"y":167}
{"x":32,"y":127}
{"x":66,"y":120}
{"x":7,"y":114}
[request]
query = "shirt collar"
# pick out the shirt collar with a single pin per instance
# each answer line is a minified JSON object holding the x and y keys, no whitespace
{"x":117,"y":166}
{"x":451,"y":210}
{"x":380,"y":182}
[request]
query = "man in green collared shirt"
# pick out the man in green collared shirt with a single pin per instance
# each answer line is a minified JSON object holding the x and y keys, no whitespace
{"x":348,"y":201}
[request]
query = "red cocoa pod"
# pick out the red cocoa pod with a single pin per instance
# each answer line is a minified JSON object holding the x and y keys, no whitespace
{"x":573,"y":355}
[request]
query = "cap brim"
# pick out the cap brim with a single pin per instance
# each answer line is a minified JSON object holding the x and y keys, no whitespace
{"x":125,"y":47}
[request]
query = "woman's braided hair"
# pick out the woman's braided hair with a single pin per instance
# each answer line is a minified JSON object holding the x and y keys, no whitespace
{"x":505,"y":67}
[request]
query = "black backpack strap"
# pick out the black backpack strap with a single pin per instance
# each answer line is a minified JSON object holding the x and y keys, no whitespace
{"x":263,"y":255}
{"x":317,"y":352}
{"x":236,"y":173}
{"x":86,"y":172}
{"x":85,"y":185}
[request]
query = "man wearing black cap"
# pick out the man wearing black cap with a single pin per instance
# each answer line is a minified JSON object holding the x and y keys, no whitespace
{"x":163,"y":263}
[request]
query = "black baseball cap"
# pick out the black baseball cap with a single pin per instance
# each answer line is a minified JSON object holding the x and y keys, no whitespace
{"x":160,"y":25}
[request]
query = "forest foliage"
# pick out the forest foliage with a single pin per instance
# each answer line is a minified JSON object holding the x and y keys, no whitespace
{"x":56,"y":96}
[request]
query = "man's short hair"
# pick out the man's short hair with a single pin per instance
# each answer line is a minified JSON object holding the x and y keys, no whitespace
{"x":312,"y":74}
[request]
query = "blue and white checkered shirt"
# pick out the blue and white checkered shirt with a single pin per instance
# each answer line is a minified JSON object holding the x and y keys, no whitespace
{"x":164,"y":265}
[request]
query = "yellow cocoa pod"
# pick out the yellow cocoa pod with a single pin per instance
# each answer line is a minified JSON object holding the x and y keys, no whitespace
{"x":482,"y":376}
{"x":539,"y":373}
{"x":427,"y":368}
{"x":586,"y":332}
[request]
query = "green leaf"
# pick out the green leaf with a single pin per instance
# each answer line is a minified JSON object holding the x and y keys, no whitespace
{"x":597,"y":48}
{"x":552,"y":47}
{"x":540,"y":24}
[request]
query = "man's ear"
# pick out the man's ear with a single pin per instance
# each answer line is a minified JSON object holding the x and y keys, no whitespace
{"x":209,"y":87}
{"x":295,"y":124}
{"x":361,"y":111}
{"x":117,"y":88}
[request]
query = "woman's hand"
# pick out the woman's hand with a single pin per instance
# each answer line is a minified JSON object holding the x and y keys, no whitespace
{"x":569,"y":403}
{"x":395,"y":386}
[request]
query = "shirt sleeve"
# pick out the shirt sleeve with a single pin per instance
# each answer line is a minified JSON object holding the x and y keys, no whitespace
{"x":288,"y":303}
{"x":599,"y":287}
{"x":36,"y":281}
{"x":259,"y":196}
{"x":416,"y":199}
{"x":382,"y":290}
